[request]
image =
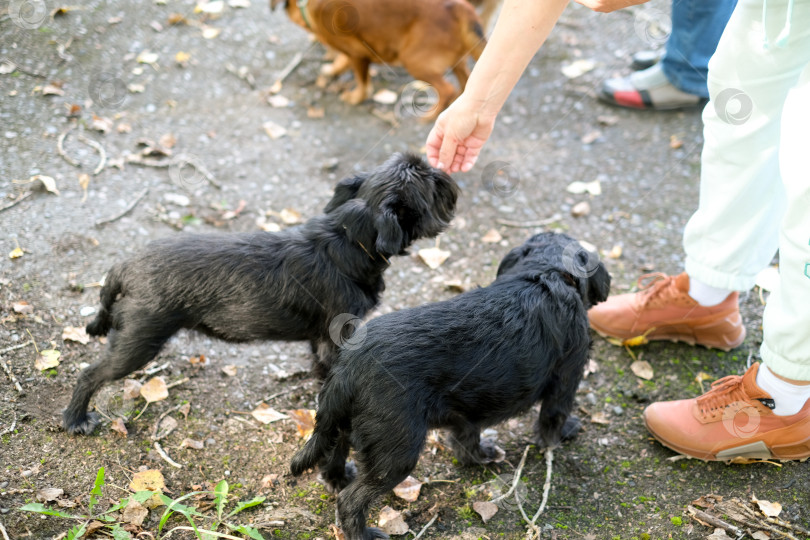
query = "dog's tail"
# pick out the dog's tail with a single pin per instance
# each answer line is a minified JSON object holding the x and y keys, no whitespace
{"x":334,"y":415}
{"x":101,"y":325}
{"x":474,"y":39}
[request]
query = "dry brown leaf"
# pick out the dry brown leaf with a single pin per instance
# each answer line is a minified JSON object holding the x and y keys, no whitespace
{"x":51,"y":89}
{"x":304,"y":421}
{"x":760,"y":535}
{"x":182,"y":58}
{"x":100,"y":123}
{"x":718,"y":534}
{"x":22,"y":307}
{"x":265,"y":414}
{"x":47,"y":359}
{"x":385,"y":97}
{"x":197,"y":360}
{"x":433,"y":257}
{"x":230,"y":370}
{"x":642,"y":369}
{"x":591,"y":136}
{"x":581,"y":209}
{"x":675,"y":142}
{"x":134,"y":513}
{"x":147,"y":57}
{"x":278,"y":101}
{"x":154,"y":390}
{"x":392,"y":522}
{"x":577,"y":188}
{"x":408,"y":489}
{"x":185,"y":409}
{"x":167,"y":425}
{"x":615,"y":252}
{"x":132,"y":389}
{"x":269,"y":480}
{"x":315,"y":112}
{"x":290,"y":216}
{"x":192,"y":443}
{"x":75,"y":333}
{"x":49,"y":494}
{"x":578,"y":68}
{"x":599,"y":418}
{"x":485,"y":509}
{"x":273,"y":130}
{"x":119,"y":427}
{"x":492,"y":237}
{"x":149,"y":480}
{"x":770,"y":509}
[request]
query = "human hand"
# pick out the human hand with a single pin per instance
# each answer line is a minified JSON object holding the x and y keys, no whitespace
{"x":457,"y":137}
{"x":606,"y":6}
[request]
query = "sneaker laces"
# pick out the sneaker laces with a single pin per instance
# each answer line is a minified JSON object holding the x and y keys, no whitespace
{"x":651,"y":285}
{"x":723,"y":393}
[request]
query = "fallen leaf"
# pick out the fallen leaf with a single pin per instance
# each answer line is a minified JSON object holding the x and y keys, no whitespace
{"x":485,"y":509}
{"x":149,"y":480}
{"x":176,"y":18}
{"x":209,"y":32}
{"x":675,"y":142}
{"x":75,"y":333}
{"x":591,"y":367}
{"x":229,"y":370}
{"x":642,"y":369}
{"x":337,"y":532}
{"x":391,"y":521}
{"x":290,"y":216}
{"x":385,"y":97}
{"x":454,"y":285}
{"x":118,"y":426}
{"x":492,"y":237}
{"x":136,"y":88}
{"x":408,"y":489}
{"x":269,"y":480}
{"x":718,"y":534}
{"x":266,"y":414}
{"x":100,"y":123}
{"x":147,"y":57}
{"x":7,"y":67}
{"x":590,"y":137}
{"x":177,"y":199}
{"x":581,"y":209}
{"x":22,"y":307}
{"x":607,"y":120}
{"x":759,"y":535}
{"x":433,"y":257}
{"x":182,"y":58}
{"x":51,"y":89}
{"x":191,"y":443}
{"x":134,"y":513}
{"x":154,"y":390}
{"x":47,"y":359}
{"x":315,"y":112}
{"x":132,"y":389}
{"x":594,"y":188}
{"x":239,"y":3}
{"x":770,"y":509}
{"x":578,"y":68}
{"x":273,"y":130}
{"x":599,"y":418}
{"x":185,"y":409}
{"x":211,"y":8}
{"x":167,"y":425}
{"x":267,"y":226}
{"x":15,"y":253}
{"x":278,"y":101}
{"x":49,"y":494}
{"x":615,"y":252}
{"x":197,"y":360}
{"x":167,"y":141}
{"x":304,"y":421}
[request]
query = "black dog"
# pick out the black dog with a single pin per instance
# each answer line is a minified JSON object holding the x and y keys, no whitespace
{"x":289,"y":285}
{"x":463,"y":364}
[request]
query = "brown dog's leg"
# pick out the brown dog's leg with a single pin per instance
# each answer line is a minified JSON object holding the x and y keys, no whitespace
{"x":446,"y":91}
{"x":340,"y":64}
{"x":360,"y":92}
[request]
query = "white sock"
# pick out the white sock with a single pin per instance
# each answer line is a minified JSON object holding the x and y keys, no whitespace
{"x":706,"y":295}
{"x":789,"y":398}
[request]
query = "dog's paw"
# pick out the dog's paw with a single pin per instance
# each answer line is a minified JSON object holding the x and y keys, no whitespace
{"x":490,"y":452}
{"x":336,"y":484}
{"x":571,"y":428}
{"x":83,"y":425}
{"x":373,"y":532}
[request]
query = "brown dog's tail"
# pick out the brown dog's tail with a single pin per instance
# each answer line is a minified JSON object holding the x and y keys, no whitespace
{"x":101,"y":325}
{"x":334,"y":414}
{"x":474,"y":39}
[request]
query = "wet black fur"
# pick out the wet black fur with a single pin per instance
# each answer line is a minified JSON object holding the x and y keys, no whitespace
{"x":463,"y":364}
{"x":283,"y":286}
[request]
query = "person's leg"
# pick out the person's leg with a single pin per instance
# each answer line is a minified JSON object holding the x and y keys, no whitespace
{"x":696,"y":29}
{"x":679,"y":79}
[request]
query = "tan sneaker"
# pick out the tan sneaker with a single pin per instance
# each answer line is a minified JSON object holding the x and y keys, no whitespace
{"x":663,"y":309}
{"x":731,"y":420}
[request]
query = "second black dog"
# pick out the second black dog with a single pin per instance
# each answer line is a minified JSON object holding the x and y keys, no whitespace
{"x":463,"y":364}
{"x":290,"y":285}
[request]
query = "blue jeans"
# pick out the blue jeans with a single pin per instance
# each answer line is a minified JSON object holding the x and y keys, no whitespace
{"x":696,"y":28}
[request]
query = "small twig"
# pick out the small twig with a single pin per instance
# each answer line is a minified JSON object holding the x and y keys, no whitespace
{"x":25,"y":70}
{"x":162,"y":453}
{"x":60,"y":149}
{"x":202,"y":531}
{"x":12,"y":377}
{"x":13,"y":425}
{"x":142,"y":411}
{"x":516,"y":479}
{"x":156,"y":369}
{"x":147,"y":162}
{"x":177,"y":383}
{"x":126,"y":210}
{"x":528,"y":224}
{"x":16,"y":201}
{"x":429,"y":523}
{"x":3,"y":530}
{"x":277,"y":394}
{"x":288,"y":69}
{"x":785,"y":524}
{"x":102,"y":155}
{"x":709,"y":519}
{"x":764,"y":527}
{"x":162,"y":416}
{"x":546,"y":490}
{"x":15,"y":347}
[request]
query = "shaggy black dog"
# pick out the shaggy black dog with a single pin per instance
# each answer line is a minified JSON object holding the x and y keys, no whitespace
{"x":463,"y":364}
{"x":289,"y":285}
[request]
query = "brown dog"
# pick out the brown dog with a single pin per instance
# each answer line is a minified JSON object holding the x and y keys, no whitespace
{"x":426,"y":37}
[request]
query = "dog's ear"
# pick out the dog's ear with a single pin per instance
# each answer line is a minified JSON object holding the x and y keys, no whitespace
{"x":512,"y":258}
{"x":345,"y":190}
{"x":593,"y":285}
{"x":390,"y":237}
{"x":355,"y":218}
{"x":275,"y":3}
